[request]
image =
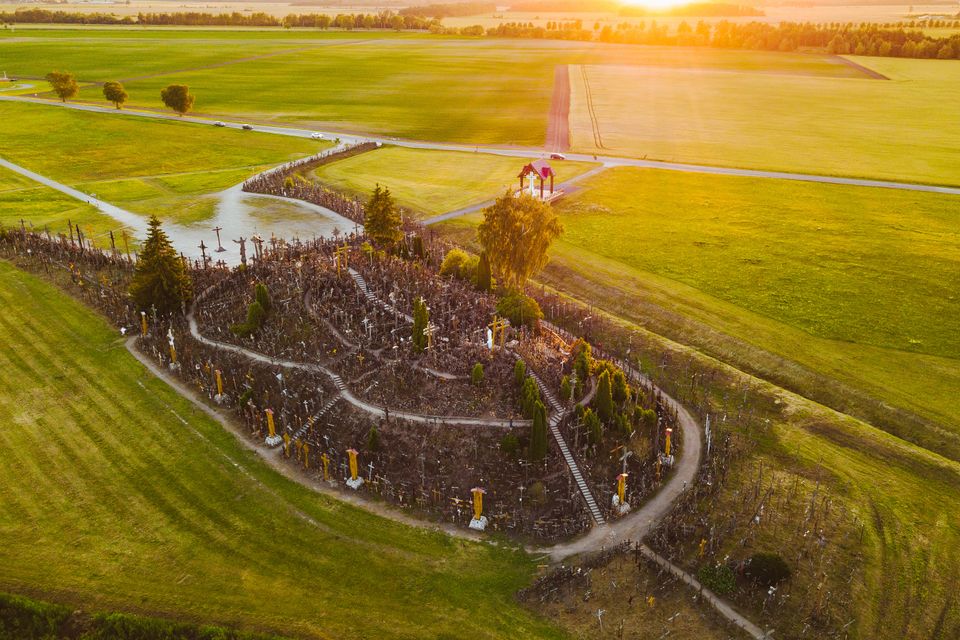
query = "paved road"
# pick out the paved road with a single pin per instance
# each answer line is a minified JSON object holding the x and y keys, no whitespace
{"x":518,"y":152}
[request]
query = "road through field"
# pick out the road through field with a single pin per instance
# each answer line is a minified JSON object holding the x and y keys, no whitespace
{"x":518,"y":152}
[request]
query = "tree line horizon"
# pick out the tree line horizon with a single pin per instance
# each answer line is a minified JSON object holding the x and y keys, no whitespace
{"x":898,"y":40}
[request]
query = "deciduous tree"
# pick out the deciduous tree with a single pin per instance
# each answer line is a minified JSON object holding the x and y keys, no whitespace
{"x":516,"y":233}
{"x":115,"y":93}
{"x":63,"y":84}
{"x":178,"y":98}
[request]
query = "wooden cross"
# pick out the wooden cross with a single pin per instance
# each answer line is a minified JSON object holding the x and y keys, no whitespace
{"x":220,"y":248}
{"x":203,"y":253}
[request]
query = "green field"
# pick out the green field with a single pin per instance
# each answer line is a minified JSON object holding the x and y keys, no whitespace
{"x":113,"y":502}
{"x":40,"y":206}
{"x":421,"y":87}
{"x":427,"y":183}
{"x":860,"y":284}
{"x":147,"y":166}
{"x":898,"y":129}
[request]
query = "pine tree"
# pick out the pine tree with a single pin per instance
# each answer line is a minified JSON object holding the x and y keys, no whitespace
{"x":604,"y":399}
{"x":484,"y":280}
{"x":566,"y":390}
{"x":160,"y":279}
{"x":261,"y":295}
{"x":594,"y":428}
{"x":520,"y":372}
{"x":529,"y":397}
{"x":382,"y":218}
{"x":538,"y":435}
{"x":620,"y":388}
{"x":421,"y":318}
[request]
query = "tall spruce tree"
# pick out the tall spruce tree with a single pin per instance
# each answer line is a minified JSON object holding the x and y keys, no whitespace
{"x":382,"y":218}
{"x":160,"y":279}
{"x":538,"y":435}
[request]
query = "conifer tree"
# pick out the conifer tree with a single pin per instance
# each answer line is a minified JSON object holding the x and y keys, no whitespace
{"x":621,"y":391}
{"x":160,"y":279}
{"x":484,"y":280}
{"x":538,"y":436}
{"x":382,"y":218}
{"x":604,"y":400}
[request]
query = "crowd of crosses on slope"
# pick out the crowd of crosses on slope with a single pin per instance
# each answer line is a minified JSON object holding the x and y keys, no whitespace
{"x":427,"y":467}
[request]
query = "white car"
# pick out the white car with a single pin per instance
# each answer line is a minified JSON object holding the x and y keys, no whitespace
{"x":316,"y":135}
{"x":219,"y":124}
{"x":557,"y":156}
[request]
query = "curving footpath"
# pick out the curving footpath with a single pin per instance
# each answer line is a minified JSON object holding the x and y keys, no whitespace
{"x":342,"y":388}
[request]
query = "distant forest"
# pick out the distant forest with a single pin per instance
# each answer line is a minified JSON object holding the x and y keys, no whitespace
{"x":381,"y":20}
{"x":867,"y":39}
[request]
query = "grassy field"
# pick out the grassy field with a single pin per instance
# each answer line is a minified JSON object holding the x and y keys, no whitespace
{"x":40,"y":206}
{"x":113,"y":477}
{"x":422,"y":87}
{"x":800,"y":283}
{"x":144,"y":165}
{"x":428,"y":183}
{"x":895,"y":130}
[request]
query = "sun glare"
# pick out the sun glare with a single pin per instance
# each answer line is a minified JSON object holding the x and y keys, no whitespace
{"x":657,"y":4}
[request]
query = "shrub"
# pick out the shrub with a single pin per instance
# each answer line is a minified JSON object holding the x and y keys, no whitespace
{"x":718,"y":578}
{"x":767,"y":569}
{"x":476,"y":376}
{"x":510,"y":445}
{"x":255,"y":316}
{"x":373,"y":439}
{"x":537,"y":493}
{"x":453,"y":262}
{"x":521,"y":310}
{"x":566,"y":391}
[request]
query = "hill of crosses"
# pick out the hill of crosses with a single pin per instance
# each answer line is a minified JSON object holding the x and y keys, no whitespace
{"x":336,"y":371}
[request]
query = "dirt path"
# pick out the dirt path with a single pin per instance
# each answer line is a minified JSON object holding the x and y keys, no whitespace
{"x":558,"y":126}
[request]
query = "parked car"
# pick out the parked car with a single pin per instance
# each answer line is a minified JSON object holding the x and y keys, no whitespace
{"x":557,"y":156}
{"x":247,"y":127}
{"x":316,"y":135}
{"x":219,"y":124}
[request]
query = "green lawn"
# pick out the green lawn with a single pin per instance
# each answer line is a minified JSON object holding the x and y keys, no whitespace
{"x":899,"y":129}
{"x":144,"y":165}
{"x":40,"y":206}
{"x":422,"y":87}
{"x":811,"y":286}
{"x":113,"y":502}
{"x":428,"y":182}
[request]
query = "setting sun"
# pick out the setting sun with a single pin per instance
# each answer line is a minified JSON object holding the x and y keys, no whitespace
{"x":657,"y":4}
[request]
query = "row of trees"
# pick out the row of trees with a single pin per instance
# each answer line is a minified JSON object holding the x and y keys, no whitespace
{"x":859,"y":39}
{"x":381,"y":20}
{"x":175,"y":96}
